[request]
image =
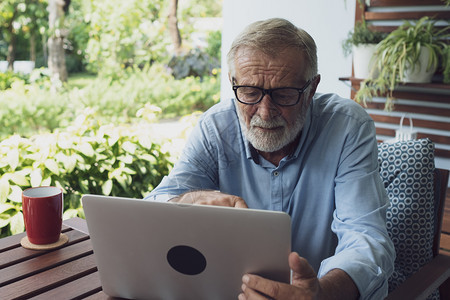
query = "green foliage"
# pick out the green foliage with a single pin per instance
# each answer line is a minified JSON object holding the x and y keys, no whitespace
{"x":124,"y":33}
{"x":37,"y":76}
{"x":195,"y":63}
{"x":402,"y":47}
{"x":85,"y":158}
{"x":77,"y":38}
{"x":31,"y":108}
{"x":214,"y":44}
{"x":65,"y":137}
{"x":182,"y":97}
{"x":104,"y":36}
{"x":361,"y":34}
{"x":3,"y":47}
{"x":10,"y":11}
{"x":109,"y":36}
{"x":400,"y":50}
{"x":446,"y":64}
{"x":200,"y":8}
{"x":189,"y":12}
{"x":118,"y":101}
{"x":78,"y":148}
{"x":29,"y":19}
{"x":7,"y":79}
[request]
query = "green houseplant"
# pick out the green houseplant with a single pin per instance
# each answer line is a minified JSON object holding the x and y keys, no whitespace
{"x":446,"y":63}
{"x":362,"y":42}
{"x":361,"y":35}
{"x":406,"y":51}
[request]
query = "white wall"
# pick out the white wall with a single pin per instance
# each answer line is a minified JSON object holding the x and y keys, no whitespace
{"x":22,"y":66}
{"x":328,"y":22}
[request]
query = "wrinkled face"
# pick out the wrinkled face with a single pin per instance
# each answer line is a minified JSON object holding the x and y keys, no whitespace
{"x":267,"y":126}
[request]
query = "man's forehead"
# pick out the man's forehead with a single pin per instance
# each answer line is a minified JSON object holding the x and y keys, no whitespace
{"x":288,"y":62}
{"x":272,"y":52}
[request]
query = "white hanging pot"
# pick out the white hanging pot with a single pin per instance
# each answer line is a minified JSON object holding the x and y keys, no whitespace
{"x":362,"y":60}
{"x":420,"y":72}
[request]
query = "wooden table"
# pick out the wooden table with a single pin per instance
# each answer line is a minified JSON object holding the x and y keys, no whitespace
{"x":65,"y":273}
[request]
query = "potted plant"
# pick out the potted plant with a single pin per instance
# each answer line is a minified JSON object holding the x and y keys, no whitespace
{"x":362,"y":42}
{"x":446,"y":63}
{"x":412,"y":50}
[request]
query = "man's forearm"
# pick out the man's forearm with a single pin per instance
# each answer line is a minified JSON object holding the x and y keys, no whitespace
{"x":337,"y":284}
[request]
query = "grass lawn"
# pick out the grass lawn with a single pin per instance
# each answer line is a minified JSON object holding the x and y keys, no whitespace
{"x":80,"y":80}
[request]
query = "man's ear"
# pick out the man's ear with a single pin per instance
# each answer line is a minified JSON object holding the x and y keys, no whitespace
{"x":231,"y":79}
{"x":315,"y":84}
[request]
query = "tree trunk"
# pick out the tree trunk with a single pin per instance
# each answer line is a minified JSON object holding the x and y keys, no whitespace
{"x":56,"y":55}
{"x":33,"y":46}
{"x":45,"y":49}
{"x":173,"y":26}
{"x":11,"y":38}
{"x":11,"y":57}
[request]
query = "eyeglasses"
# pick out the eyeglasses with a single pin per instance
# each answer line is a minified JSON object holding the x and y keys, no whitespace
{"x":286,"y":96}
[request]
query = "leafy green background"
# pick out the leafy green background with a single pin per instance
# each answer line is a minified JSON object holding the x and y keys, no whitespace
{"x":98,"y":132}
{"x":30,"y":108}
{"x":95,"y":135}
{"x":84,"y":158}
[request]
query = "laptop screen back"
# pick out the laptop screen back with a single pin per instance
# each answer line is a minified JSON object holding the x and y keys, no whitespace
{"x":152,"y":250}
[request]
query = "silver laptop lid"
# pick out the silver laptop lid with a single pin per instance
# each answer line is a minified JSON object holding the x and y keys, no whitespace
{"x":152,"y":250}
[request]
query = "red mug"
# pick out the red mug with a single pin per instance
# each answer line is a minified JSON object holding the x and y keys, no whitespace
{"x":42,"y":213}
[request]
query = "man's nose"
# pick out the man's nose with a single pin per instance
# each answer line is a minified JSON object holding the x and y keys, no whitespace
{"x":267,"y":109}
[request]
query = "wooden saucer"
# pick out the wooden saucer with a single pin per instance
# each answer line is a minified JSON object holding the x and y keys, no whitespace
{"x":27,"y":244}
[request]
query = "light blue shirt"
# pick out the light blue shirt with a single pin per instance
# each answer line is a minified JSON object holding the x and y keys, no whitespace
{"x":330,"y":185}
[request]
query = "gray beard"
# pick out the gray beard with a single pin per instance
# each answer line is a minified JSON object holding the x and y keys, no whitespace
{"x":274,"y":140}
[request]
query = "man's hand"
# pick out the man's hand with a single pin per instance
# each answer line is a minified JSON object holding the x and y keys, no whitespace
{"x":210,"y":198}
{"x":305,"y":284}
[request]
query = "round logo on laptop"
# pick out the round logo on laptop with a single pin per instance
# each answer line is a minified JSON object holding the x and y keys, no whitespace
{"x":186,"y":260}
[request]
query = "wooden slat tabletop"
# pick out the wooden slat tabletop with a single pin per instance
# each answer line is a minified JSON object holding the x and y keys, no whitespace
{"x":69,"y":272}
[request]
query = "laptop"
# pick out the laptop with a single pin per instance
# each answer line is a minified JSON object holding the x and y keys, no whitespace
{"x":153,"y":250}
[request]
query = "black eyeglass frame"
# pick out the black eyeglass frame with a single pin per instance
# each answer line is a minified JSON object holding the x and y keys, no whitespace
{"x":270,"y":91}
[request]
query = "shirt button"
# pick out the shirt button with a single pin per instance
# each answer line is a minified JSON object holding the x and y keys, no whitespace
{"x":276,"y":173}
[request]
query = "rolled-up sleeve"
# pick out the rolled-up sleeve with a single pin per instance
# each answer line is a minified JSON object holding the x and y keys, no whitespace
{"x":365,"y":251}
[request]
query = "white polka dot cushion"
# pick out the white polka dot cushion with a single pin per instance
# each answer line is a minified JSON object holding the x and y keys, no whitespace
{"x":406,"y":169}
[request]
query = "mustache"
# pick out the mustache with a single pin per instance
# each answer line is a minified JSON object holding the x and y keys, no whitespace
{"x":256,"y":121}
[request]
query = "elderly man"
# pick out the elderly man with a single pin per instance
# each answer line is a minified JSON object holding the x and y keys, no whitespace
{"x":281,"y":146}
